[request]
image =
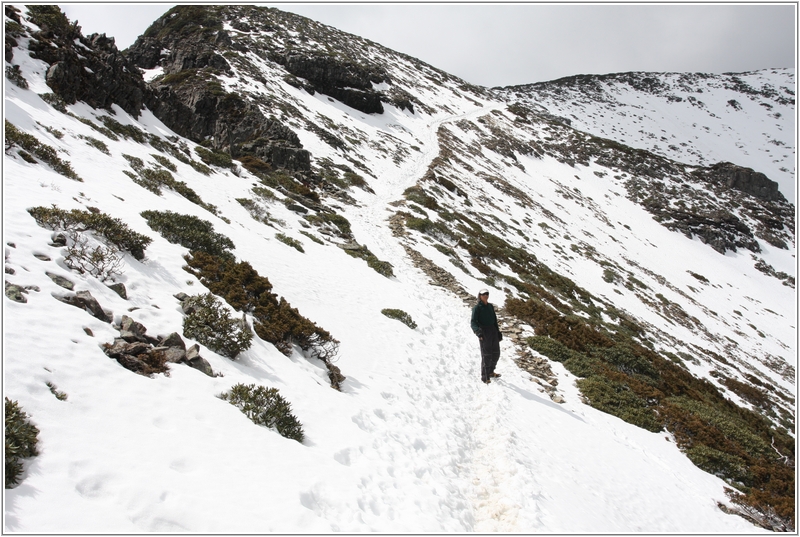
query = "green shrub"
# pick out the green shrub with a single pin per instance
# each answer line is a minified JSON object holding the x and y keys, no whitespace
{"x":401,"y":316}
{"x":210,"y":323}
{"x":294,"y":243}
{"x":618,"y":400}
{"x":14,"y":74}
{"x":724,"y":465}
{"x":126,"y":131}
{"x":45,"y":153}
{"x":626,"y":360}
{"x":384,"y":268}
{"x":552,"y":348}
{"x":164,"y":161}
{"x":111,"y":229}
{"x":21,"y":438}
{"x":55,"y":101}
{"x":265,"y":406}
{"x":97,"y":144}
{"x":61,"y":396}
{"x":190,"y":232}
{"x":213,"y":158}
{"x":274,"y":320}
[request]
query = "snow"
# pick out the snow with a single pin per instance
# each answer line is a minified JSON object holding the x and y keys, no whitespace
{"x":413,"y":443}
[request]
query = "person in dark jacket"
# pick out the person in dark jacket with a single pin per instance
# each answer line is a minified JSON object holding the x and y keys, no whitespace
{"x":484,"y":324}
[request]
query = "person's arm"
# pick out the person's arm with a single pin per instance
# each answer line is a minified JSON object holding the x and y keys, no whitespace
{"x":474,"y":323}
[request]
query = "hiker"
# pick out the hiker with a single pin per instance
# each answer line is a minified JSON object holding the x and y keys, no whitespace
{"x":484,"y":324}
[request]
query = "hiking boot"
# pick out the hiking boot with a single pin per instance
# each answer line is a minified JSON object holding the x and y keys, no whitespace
{"x":487,"y":381}
{"x":495,"y":375}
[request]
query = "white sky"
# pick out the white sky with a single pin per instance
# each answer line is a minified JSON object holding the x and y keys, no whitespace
{"x":508,"y":44}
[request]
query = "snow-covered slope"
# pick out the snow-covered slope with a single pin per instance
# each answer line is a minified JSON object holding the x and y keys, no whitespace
{"x":697,"y":118}
{"x":413,"y":441}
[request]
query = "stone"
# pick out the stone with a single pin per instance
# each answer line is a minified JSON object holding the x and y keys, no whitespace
{"x":85,"y":301}
{"x":88,"y":331}
{"x":15,"y":293}
{"x":42,"y":257}
{"x":201,"y":364}
{"x":121,"y":347}
{"x":181,"y":296}
{"x":193,"y":352}
{"x":130,"y":330}
{"x":119,"y":288}
{"x":173,"y":355}
{"x":59,"y":240}
{"x":10,"y":270}
{"x":61,"y":281}
{"x":173,"y":340}
{"x":131,"y":363}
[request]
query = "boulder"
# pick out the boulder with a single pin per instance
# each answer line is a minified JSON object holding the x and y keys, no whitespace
{"x":15,"y":293}
{"x":173,"y":340}
{"x":85,"y":301}
{"x":130,"y":330}
{"x":201,"y":364}
{"x":119,"y":288}
{"x":61,"y":281}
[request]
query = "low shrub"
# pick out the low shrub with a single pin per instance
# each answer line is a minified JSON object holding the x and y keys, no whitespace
{"x":21,"y":437}
{"x":618,"y":400}
{"x":113,"y":230}
{"x":294,"y":243}
{"x":723,"y":465}
{"x":101,"y":261}
{"x":265,"y":406}
{"x":401,"y":316}
{"x":190,"y":232}
{"x":213,"y":158}
{"x":14,"y":74}
{"x":210,"y":323}
{"x":45,"y":153}
{"x":384,"y":268}
{"x":274,"y":320}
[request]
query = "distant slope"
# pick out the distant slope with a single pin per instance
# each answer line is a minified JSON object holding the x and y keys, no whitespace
{"x":696,"y":118}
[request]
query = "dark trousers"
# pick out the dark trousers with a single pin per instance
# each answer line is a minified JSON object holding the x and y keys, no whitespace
{"x":490,"y":354}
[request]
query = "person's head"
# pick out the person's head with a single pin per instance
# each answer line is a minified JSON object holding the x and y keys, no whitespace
{"x":483,"y":295}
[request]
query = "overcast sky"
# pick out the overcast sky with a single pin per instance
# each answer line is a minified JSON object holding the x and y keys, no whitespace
{"x":500,"y":45}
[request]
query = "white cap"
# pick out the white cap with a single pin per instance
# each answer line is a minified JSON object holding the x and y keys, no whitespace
{"x":483,"y":292}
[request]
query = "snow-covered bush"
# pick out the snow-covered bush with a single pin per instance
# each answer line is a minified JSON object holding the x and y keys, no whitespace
{"x":265,"y":406}
{"x":29,"y":145}
{"x":101,"y":261}
{"x":210,"y":323}
{"x":21,"y":438}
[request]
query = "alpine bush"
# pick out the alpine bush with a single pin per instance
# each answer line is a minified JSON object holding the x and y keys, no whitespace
{"x":21,"y":439}
{"x":265,"y":406}
{"x":401,"y":316}
{"x":45,"y":153}
{"x":190,"y":232}
{"x":210,"y":323}
{"x":113,"y":230}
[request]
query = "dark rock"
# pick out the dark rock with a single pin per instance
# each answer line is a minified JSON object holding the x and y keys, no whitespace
{"x":61,"y":281}
{"x":173,"y":355}
{"x":131,"y":330}
{"x":132,"y":363}
{"x":88,"y":331}
{"x":335,"y":376}
{"x":42,"y":257}
{"x":181,"y":296}
{"x":743,"y":179}
{"x":122,"y":347}
{"x":173,"y":340}
{"x":119,"y":288}
{"x":201,"y":364}
{"x":10,"y":270}
{"x":85,"y":301}
{"x":59,"y":240}
{"x":193,"y":352}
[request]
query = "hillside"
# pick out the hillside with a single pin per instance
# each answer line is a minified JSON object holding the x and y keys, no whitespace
{"x":344,"y":203}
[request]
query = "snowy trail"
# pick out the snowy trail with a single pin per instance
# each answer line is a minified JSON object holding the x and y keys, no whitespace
{"x":480,"y":465}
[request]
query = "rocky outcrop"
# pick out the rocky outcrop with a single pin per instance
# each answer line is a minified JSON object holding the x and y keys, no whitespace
{"x":743,"y":179}
{"x":345,"y":81}
{"x":146,"y":355}
{"x":88,"y":69}
{"x":85,"y":301}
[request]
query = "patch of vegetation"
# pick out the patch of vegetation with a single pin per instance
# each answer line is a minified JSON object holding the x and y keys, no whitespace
{"x":21,"y":437}
{"x":384,"y":268}
{"x":126,"y":131}
{"x":97,"y":144}
{"x":55,"y":101}
{"x":335,"y":223}
{"x":400,"y":315}
{"x":625,"y":379}
{"x":282,"y":181}
{"x":14,"y":74}
{"x":210,"y":323}
{"x":61,"y":396}
{"x":45,"y":153}
{"x":113,"y":230}
{"x":265,"y":406}
{"x":190,"y":232}
{"x":154,"y":178}
{"x":274,"y":320}
{"x":255,"y":165}
{"x":214,"y":158}
{"x":294,"y":243}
